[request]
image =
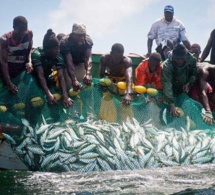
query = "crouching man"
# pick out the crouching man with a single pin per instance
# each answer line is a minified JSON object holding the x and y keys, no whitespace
{"x":46,"y":62}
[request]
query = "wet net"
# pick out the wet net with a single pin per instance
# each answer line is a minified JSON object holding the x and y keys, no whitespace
{"x":30,"y":103}
{"x":99,"y":133}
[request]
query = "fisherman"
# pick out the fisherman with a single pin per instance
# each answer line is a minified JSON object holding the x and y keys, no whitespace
{"x":167,"y":46}
{"x":148,"y":72}
{"x":165,"y":28}
{"x":76,"y":50}
{"x":118,"y":68}
{"x":15,"y":55}
{"x":210,"y":46}
{"x":178,"y":75}
{"x":204,"y":90}
{"x":47,"y":62}
{"x":196,"y":50}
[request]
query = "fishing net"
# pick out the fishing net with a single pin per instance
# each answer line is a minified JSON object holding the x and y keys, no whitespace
{"x":99,"y":133}
{"x":30,"y":103}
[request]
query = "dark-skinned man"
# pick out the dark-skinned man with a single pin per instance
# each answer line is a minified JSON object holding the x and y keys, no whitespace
{"x":165,"y":28}
{"x":46,"y":60}
{"x":148,"y":72}
{"x":178,"y":75}
{"x":118,"y":68}
{"x":15,"y":55}
{"x":76,"y":50}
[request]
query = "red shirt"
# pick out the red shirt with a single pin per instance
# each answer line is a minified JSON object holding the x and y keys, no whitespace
{"x":144,"y":76}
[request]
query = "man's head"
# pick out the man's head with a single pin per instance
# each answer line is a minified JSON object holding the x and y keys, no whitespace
{"x":117,"y":51}
{"x":60,"y":36}
{"x":196,"y":50}
{"x":154,"y":61}
{"x":20,"y":25}
{"x":179,"y":54}
{"x":168,"y":12}
{"x":51,"y":44}
{"x":79,"y":33}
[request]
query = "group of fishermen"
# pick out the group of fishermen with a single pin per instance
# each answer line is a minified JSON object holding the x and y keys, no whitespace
{"x":175,"y":67}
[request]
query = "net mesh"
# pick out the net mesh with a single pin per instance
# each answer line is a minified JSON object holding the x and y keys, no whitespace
{"x":30,"y":103}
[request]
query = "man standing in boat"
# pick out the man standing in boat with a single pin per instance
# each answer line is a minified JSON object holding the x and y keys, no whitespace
{"x":76,"y":50}
{"x":178,"y":75}
{"x":118,"y":68}
{"x":165,"y":28}
{"x":15,"y":55}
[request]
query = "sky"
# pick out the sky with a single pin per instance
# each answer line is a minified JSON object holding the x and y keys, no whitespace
{"x":110,"y":21}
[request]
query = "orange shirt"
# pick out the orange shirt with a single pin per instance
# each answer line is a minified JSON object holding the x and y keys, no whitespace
{"x":144,"y":76}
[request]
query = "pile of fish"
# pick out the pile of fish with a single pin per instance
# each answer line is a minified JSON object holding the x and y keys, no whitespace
{"x":96,"y":145}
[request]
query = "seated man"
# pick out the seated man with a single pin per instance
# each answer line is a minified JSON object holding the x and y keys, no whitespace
{"x":118,"y":68}
{"x":178,"y":75}
{"x":47,"y":59}
{"x":204,"y":90}
{"x":76,"y":50}
{"x":148,"y":71}
{"x":15,"y":55}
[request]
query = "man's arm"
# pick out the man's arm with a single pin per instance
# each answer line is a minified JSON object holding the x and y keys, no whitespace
{"x":149,"y":46}
{"x":207,"y":49}
{"x":4,"y":65}
{"x":29,"y":67}
{"x":187,"y":44}
{"x":102,"y":68}
{"x":88,"y":67}
{"x":71,"y":71}
{"x":67,"y":102}
{"x":166,"y":78}
{"x":208,"y":117}
{"x":42,"y":80}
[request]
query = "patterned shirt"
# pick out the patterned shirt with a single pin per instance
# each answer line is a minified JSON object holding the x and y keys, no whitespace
{"x":162,"y":30}
{"x":17,"y":53}
{"x":77,"y":51}
{"x":49,"y":64}
{"x":174,"y":77}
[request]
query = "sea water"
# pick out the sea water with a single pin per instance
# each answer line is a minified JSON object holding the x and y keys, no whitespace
{"x":190,"y":180}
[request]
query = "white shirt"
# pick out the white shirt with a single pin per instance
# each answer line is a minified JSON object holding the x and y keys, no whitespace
{"x":162,"y":30}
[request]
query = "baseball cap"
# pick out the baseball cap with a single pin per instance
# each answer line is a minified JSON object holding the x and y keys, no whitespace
{"x":169,"y":8}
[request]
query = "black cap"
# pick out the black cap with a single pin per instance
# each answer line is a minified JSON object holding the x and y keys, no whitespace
{"x":50,"y":40}
{"x":179,"y":51}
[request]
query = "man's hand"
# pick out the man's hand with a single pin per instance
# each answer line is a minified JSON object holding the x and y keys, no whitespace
{"x":173,"y":111}
{"x":12,"y":88}
{"x":127,"y":99}
{"x":76,"y":85}
{"x":186,"y":87}
{"x":51,"y":99}
{"x":147,"y":55}
{"x":67,"y":102}
{"x":87,"y":79}
{"x":29,"y":67}
{"x":208,"y":117}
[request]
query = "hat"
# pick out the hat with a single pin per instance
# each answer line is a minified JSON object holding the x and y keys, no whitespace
{"x":78,"y":28}
{"x":50,"y":40}
{"x":169,"y":8}
{"x":179,"y":51}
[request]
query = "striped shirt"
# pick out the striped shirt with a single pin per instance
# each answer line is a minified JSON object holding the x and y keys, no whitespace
{"x":17,"y":53}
